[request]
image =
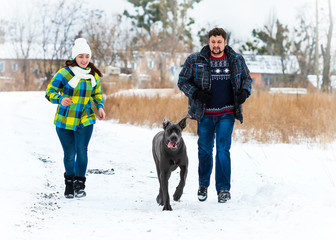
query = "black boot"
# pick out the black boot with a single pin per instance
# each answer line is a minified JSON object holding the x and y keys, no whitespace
{"x":79,"y":185}
{"x":69,"y":186}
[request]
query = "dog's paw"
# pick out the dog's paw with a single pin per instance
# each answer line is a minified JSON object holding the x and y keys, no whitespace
{"x":159,"y":200}
{"x":177,"y":195}
{"x":167,"y":207}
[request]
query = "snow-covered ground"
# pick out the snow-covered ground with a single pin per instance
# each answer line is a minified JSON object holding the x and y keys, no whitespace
{"x":278,"y":191}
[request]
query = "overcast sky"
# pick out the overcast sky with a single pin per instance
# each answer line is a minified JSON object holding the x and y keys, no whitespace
{"x":237,"y":16}
{"x":241,"y":16}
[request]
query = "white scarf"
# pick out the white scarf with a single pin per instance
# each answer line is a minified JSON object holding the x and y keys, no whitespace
{"x":81,"y":74}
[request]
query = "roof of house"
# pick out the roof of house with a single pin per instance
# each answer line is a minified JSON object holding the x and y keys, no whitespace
{"x":271,"y":64}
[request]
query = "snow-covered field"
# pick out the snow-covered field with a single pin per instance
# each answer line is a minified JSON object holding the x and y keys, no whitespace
{"x":278,"y":191}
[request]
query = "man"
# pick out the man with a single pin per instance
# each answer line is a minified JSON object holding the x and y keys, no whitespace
{"x":217,"y":81}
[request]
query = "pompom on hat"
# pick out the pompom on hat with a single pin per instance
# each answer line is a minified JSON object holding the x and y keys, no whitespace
{"x":80,"y":47}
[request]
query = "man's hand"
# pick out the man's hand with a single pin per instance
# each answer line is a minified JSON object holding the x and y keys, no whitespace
{"x":242,"y":95}
{"x":202,"y":96}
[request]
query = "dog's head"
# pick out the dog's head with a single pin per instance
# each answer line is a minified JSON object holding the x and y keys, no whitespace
{"x":173,"y":133}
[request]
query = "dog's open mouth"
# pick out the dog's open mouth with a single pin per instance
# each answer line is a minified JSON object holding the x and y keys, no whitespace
{"x":172,"y":145}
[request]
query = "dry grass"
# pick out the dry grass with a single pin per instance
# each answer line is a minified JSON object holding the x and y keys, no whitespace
{"x":149,"y":111}
{"x":289,"y":118}
{"x":267,"y":118}
{"x":18,"y":85}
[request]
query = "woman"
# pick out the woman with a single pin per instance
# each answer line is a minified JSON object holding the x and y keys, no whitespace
{"x":72,"y":88}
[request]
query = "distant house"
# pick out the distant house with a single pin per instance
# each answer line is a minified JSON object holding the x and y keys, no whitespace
{"x":9,"y":63}
{"x":154,"y":68}
{"x":267,"y":70}
{"x":16,"y":69}
{"x":111,"y":70}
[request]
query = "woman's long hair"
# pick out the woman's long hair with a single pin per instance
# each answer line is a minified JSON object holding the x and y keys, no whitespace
{"x":93,"y":68}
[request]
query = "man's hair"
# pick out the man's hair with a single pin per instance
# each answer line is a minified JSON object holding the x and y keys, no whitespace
{"x":217,"y":32}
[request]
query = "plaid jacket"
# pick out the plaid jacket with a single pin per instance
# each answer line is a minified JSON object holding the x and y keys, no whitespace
{"x":195,"y":74}
{"x":80,"y":113}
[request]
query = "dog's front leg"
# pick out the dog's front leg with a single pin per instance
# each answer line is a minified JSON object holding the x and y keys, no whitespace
{"x":164,"y":177}
{"x":179,"y":189}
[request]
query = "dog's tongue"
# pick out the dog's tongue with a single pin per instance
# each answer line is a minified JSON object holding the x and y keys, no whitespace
{"x":171,"y":145}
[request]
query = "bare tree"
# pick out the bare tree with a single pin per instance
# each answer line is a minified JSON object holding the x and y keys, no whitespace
{"x":316,"y":67}
{"x":326,"y":53}
{"x":126,"y":50}
{"x":2,"y":30}
{"x":23,"y":32}
{"x":60,"y":25}
{"x":104,"y":35}
{"x":304,"y":42}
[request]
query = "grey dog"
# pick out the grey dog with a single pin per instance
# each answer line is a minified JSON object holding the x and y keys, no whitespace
{"x":170,"y":152}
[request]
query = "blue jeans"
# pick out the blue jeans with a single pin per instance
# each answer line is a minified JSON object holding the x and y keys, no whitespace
{"x":75,"y":146}
{"x":208,"y":129}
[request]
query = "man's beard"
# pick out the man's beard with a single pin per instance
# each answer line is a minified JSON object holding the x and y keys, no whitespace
{"x":217,"y":53}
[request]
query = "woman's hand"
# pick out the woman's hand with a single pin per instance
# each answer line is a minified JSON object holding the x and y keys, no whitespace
{"x":101,"y":113}
{"x":66,"y":102}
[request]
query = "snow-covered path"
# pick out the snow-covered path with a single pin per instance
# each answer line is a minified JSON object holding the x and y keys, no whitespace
{"x":278,"y":191}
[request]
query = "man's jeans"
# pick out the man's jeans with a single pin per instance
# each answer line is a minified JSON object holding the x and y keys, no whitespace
{"x":75,"y":143}
{"x":207,"y":129}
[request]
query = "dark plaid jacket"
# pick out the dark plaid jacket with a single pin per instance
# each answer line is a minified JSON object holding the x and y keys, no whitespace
{"x":195,"y":74}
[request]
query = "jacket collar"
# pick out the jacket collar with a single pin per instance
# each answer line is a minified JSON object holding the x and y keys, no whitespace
{"x":205,"y":53}
{"x":230,"y":53}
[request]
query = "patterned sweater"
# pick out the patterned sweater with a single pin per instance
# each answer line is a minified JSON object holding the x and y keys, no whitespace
{"x":80,"y":113}
{"x":221,"y":101}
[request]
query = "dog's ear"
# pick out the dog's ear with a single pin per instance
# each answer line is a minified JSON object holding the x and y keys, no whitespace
{"x":165,"y":123}
{"x":183,"y":123}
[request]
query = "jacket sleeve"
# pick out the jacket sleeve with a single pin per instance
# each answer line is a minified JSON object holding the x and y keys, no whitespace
{"x":185,"y":81}
{"x":54,"y":87}
{"x":97,"y":94}
{"x":246,"y":78}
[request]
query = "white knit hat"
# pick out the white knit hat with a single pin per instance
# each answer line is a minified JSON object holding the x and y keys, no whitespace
{"x":80,"y":47}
